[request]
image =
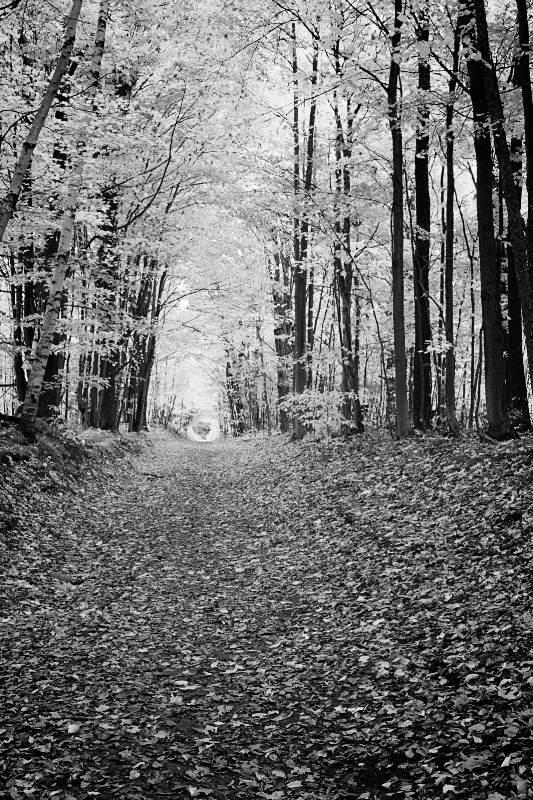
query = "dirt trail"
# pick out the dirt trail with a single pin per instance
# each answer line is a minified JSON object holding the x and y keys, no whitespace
{"x":164,"y":662}
{"x":256,"y":620}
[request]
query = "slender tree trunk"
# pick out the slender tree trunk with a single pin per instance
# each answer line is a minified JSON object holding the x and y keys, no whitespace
{"x":50,"y":396}
{"x":524,"y":80}
{"x":440,"y":357}
{"x":515,"y":378}
{"x":477,"y":382}
{"x":301,"y":364}
{"x":472,"y":348}
{"x":300,"y":274}
{"x":17,"y":313}
{"x":282,"y":329}
{"x":497,"y":417}
{"x":94,"y":391}
{"x":44,"y":347}
{"x":310,"y":325}
{"x":422,"y":356}
{"x":343,"y":267}
{"x":234,"y":399}
{"x":107,"y":281}
{"x":398,"y":310}
{"x":449,"y":243}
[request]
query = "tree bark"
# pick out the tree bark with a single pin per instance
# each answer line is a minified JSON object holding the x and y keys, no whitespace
{"x":515,"y":378}
{"x":511,"y":193}
{"x":300,"y":275}
{"x":9,"y":203}
{"x":343,"y":268}
{"x":497,"y":417}
{"x":449,"y":389}
{"x":140,"y":418}
{"x":234,"y":400}
{"x":398,"y":311}
{"x":524,"y":80}
{"x":108,"y":418}
{"x":142,"y":354}
{"x":310,"y":325}
{"x":301,"y":362}
{"x":17,"y":313}
{"x":422,"y":357}
{"x":282,"y":329}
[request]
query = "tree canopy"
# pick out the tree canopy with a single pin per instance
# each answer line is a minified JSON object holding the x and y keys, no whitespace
{"x":321,"y":210}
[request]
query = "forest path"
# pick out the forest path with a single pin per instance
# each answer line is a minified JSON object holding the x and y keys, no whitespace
{"x":256,"y":619}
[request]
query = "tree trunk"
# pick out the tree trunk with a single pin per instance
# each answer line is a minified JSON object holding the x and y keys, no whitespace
{"x":17,"y":312}
{"x":234,"y":400}
{"x":9,"y":203}
{"x":301,"y":365}
{"x":343,"y":268}
{"x":94,"y":391}
{"x":497,"y":417}
{"x":449,"y":244}
{"x":310,"y":326}
{"x":148,"y":307}
{"x":523,"y":78}
{"x":109,"y":400}
{"x":398,"y":311}
{"x":515,"y":377}
{"x":139,"y":420}
{"x":422,"y":356}
{"x":281,"y":294}
{"x":300,"y":275}
{"x":44,"y":347}
{"x":50,"y":397}
{"x":511,"y":193}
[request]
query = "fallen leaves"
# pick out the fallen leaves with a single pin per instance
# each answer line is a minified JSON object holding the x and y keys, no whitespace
{"x":277,"y":621}
{"x":73,"y":728}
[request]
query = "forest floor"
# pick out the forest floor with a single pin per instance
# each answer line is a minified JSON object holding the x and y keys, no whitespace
{"x":260,"y":619}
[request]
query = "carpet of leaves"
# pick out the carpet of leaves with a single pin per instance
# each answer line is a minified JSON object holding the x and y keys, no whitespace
{"x":261,"y":619}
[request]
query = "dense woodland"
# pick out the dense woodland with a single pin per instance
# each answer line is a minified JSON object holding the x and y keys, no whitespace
{"x":325,"y":208}
{"x":307,"y":217}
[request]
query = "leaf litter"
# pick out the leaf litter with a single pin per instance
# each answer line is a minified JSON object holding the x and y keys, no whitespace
{"x":260,"y":619}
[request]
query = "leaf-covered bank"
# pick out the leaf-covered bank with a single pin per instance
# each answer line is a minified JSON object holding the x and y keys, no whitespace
{"x":39,"y":480}
{"x":261,"y":619}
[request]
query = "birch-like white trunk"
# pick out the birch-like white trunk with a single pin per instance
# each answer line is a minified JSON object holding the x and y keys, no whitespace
{"x":53,"y":307}
{"x":9,"y":203}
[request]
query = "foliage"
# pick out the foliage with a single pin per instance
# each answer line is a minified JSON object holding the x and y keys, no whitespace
{"x":188,"y":192}
{"x":320,"y":411}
